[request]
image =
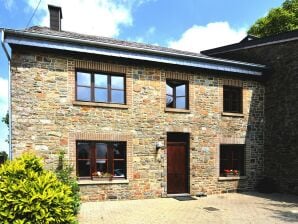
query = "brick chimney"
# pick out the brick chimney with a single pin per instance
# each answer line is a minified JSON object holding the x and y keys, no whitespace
{"x":55,"y":17}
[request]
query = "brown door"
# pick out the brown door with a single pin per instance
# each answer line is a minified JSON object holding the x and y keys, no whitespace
{"x":177,"y":168}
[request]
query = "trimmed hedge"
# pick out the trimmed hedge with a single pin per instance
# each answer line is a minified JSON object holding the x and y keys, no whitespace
{"x":31,"y":194}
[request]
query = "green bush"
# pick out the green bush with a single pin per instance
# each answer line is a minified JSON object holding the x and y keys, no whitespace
{"x":29,"y":194}
{"x":63,"y":173}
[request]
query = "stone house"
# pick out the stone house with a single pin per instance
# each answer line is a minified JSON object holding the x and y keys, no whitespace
{"x":280,"y":53}
{"x":135,"y":120}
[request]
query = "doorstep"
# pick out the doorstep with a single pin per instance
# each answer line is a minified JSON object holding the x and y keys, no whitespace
{"x":178,"y":195}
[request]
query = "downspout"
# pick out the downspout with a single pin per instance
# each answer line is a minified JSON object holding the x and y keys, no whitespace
{"x":9,"y":95}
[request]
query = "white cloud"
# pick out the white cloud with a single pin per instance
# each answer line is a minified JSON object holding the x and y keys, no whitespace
{"x":8,"y":4}
{"x":198,"y":38}
{"x":151,"y":30}
{"x":96,"y":17}
{"x":3,"y":110}
{"x":3,"y":96}
{"x":145,"y":38}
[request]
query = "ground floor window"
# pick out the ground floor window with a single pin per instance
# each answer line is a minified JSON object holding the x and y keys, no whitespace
{"x":101,"y":159}
{"x":232,"y":160}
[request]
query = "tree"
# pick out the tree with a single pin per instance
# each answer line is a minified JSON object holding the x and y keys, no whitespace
{"x":6,"y":119}
{"x":3,"y":157}
{"x":278,"y":20}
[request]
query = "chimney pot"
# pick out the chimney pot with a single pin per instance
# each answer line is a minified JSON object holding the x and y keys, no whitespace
{"x":55,"y":17}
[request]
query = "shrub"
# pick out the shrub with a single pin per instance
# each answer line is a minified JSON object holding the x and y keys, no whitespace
{"x":63,"y":173}
{"x":29,"y":194}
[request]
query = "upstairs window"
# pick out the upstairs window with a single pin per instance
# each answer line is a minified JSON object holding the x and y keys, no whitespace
{"x":100,"y":88}
{"x":95,"y":159}
{"x":177,"y":94}
{"x":232,"y":160}
{"x":232,"y":99}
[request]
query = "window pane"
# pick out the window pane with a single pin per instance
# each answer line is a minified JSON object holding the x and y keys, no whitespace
{"x":169,"y":101}
{"x":181,"y":90}
{"x":101,"y":80}
{"x":117,"y":96}
{"x":101,"y":150}
{"x":101,"y":95}
{"x":180,"y":103}
{"x":83,"y":79}
{"x":119,"y":150}
{"x":117,"y":82}
{"x":119,"y":168}
{"x":169,"y":90}
{"x":101,"y":166}
{"x":84,"y":168}
{"x":83,"y":150}
{"x":83,"y":93}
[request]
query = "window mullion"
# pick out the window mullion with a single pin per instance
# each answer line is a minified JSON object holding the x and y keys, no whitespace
{"x":110,"y":159}
{"x":174,"y":97}
{"x":109,"y":89}
{"x":92,"y":158}
{"x":92,"y":89}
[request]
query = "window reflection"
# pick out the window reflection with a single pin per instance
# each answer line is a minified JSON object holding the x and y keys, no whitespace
{"x":176,"y":94}
{"x":83,"y":79}
{"x":117,"y":82}
{"x":101,"y":80}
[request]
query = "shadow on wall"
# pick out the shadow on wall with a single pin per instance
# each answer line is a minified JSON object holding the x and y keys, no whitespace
{"x":254,"y":138}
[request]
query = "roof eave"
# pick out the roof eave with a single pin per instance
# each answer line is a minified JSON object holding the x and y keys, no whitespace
{"x":86,"y":46}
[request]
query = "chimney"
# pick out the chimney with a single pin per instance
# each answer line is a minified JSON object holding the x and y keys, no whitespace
{"x":55,"y":17}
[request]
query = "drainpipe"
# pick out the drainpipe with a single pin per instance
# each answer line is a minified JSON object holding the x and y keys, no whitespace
{"x":9,"y":93}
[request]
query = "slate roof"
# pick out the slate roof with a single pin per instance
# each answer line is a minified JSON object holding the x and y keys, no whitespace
{"x":45,"y":37}
{"x":108,"y":40}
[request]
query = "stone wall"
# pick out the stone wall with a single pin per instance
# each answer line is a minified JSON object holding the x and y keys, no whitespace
{"x":281,"y":107}
{"x":46,"y":118}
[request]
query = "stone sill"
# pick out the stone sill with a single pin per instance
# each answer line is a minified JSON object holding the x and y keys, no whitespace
{"x":99,"y":182}
{"x":175,"y":110}
{"x":232,"y":178}
{"x":226,"y":114}
{"x":92,"y":104}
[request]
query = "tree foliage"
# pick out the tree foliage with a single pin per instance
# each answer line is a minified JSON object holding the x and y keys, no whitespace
{"x":278,"y":20}
{"x":5,"y":119}
{"x":3,"y":156}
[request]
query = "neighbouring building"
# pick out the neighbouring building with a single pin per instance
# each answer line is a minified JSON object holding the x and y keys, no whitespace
{"x":280,"y":53}
{"x":136,"y":120}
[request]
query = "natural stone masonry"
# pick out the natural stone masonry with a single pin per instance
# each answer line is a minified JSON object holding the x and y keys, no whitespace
{"x":46,"y":118}
{"x":281,"y":106}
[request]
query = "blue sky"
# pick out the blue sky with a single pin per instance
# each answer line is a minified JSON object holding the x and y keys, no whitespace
{"x":191,"y":25}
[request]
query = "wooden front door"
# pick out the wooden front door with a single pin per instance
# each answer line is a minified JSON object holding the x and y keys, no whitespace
{"x":176,"y":168}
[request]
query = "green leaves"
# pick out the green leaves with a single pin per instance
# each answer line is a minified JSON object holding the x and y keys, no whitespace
{"x":30,"y":194}
{"x":278,"y":20}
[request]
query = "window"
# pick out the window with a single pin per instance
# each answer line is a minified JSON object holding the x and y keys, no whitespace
{"x":104,"y":157}
{"x":232,"y":158}
{"x":177,"y":94}
{"x":98,"y":87}
{"x":232,"y":97}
